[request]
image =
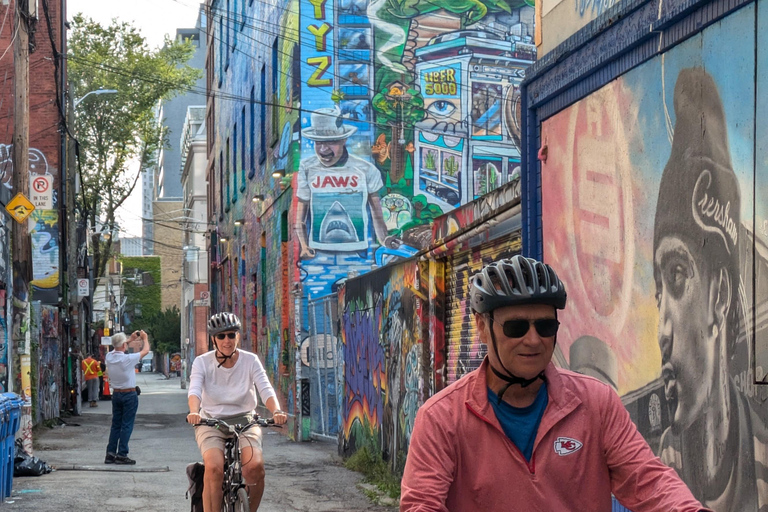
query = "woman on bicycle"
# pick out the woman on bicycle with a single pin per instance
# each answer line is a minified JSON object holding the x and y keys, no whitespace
{"x":222,"y":386}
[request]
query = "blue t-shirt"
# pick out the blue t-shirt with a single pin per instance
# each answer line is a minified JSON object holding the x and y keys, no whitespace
{"x":521,"y":424}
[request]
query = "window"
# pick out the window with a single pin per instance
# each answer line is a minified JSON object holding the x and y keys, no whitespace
{"x":221,"y":49}
{"x":234,"y":165}
{"x":233,"y":19}
{"x":228,"y":29}
{"x":221,"y":185}
{"x":284,"y":226}
{"x":252,"y":170}
{"x":275,"y":110}
{"x":227,"y":177}
{"x":242,"y":145}
{"x":263,"y":117}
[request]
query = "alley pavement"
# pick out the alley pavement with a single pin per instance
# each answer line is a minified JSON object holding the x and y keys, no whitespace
{"x":300,"y":476}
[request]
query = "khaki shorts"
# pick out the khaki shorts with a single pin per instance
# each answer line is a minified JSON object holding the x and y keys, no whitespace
{"x":210,"y":437}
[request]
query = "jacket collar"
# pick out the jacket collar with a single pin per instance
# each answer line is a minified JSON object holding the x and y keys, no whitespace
{"x":561,"y":399}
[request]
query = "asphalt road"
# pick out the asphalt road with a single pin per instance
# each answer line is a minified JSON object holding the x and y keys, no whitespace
{"x":300,"y":476}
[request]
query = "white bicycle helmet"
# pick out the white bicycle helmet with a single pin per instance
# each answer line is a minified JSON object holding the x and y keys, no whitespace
{"x":221,"y":322}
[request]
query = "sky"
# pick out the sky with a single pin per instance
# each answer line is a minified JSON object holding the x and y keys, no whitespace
{"x":155,"y":19}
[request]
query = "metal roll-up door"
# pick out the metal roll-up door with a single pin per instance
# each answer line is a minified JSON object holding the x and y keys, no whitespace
{"x":464,"y":352}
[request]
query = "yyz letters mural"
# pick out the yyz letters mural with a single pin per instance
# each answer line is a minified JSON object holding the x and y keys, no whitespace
{"x":409,"y":110}
{"x":648,"y":213}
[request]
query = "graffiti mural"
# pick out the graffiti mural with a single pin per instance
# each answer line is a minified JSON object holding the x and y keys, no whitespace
{"x":4,"y":339}
{"x":648,"y":214}
{"x":410,"y":110}
{"x":47,"y":389}
{"x":380,"y":331}
{"x":45,"y":255}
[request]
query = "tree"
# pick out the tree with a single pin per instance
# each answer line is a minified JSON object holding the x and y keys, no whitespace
{"x":116,"y":131}
{"x":164,"y":329}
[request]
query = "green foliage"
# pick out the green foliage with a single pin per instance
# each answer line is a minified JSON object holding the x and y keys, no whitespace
{"x":451,"y":167}
{"x":390,"y":109}
{"x":472,"y":11}
{"x":375,"y":471}
{"x":143,"y":302}
{"x":165,"y":331}
{"x":115,"y":130}
{"x":429,"y":160}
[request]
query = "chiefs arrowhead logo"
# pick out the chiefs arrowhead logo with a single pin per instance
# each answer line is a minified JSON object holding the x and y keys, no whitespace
{"x":566,"y":446}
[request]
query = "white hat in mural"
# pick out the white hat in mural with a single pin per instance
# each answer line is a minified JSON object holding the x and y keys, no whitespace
{"x":326,"y":124}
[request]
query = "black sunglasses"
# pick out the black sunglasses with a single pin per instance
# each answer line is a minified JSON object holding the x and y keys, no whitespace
{"x":230,"y":335}
{"x":546,"y":327}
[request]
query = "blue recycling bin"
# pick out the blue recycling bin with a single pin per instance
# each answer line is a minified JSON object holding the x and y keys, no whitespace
{"x":11,"y":418}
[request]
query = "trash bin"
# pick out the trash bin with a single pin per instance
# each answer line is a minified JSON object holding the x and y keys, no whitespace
{"x":12,"y":404}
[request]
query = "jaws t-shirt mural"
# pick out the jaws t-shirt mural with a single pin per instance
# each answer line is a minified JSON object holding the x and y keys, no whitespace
{"x":408,"y":110}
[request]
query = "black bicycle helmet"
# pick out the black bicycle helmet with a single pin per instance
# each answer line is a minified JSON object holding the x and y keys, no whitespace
{"x":221,"y":322}
{"x":516,"y":281}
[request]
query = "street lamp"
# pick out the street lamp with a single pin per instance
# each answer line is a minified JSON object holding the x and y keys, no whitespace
{"x":97,"y":91}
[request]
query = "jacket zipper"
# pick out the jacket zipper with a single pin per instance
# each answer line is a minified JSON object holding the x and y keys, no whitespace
{"x":532,"y":465}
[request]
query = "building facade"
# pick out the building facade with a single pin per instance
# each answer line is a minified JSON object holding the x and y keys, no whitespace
{"x":644,"y":185}
{"x":32,"y":366}
{"x":195,"y":299}
{"x":337,"y":133}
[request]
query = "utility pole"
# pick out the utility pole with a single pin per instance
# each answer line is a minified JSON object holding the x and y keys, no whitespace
{"x":71,"y":220}
{"x":21,"y":247}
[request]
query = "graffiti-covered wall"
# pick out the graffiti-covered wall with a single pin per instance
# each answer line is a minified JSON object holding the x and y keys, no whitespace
{"x":340,"y":129}
{"x":653,"y":210}
{"x":47,"y":362}
{"x":380,"y":331}
{"x":409,"y":110}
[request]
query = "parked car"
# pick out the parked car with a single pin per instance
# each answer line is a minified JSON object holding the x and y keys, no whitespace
{"x":146,"y":366}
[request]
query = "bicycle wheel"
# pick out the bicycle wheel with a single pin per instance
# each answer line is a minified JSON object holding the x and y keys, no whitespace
{"x":241,"y":503}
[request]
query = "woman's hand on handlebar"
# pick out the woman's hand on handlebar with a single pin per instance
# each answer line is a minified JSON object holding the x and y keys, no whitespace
{"x":194,"y":418}
{"x":280,"y":417}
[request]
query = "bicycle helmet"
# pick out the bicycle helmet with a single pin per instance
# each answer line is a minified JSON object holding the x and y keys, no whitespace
{"x":516,"y":281}
{"x":221,"y":322}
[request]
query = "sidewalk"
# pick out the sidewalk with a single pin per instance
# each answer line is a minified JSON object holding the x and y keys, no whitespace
{"x":300,"y":476}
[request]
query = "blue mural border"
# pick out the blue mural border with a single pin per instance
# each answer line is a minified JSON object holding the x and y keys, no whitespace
{"x":622,"y":38}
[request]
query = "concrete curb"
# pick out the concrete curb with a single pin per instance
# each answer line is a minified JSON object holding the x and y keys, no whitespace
{"x":111,"y":469}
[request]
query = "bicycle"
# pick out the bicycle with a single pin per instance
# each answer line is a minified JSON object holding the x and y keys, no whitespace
{"x":235,"y":498}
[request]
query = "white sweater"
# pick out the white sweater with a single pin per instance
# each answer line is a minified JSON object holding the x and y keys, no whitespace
{"x":229,"y":391}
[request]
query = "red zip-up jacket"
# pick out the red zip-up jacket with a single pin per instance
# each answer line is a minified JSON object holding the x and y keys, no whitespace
{"x":460,"y":460}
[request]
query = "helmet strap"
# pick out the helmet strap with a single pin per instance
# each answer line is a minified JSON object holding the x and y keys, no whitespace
{"x":510,"y":378}
{"x":220,"y":355}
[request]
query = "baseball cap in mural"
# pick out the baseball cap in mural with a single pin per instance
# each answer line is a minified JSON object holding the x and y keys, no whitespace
{"x":699,"y":198}
{"x":326,"y":124}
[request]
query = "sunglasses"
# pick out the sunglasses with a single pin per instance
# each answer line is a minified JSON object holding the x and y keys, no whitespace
{"x":230,"y":335}
{"x":546,"y":327}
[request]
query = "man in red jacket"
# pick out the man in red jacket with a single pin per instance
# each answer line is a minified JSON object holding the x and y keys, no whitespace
{"x":519,"y":433}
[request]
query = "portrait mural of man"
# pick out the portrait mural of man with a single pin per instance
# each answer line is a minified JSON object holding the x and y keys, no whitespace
{"x":336,"y":188}
{"x":648,"y":209}
{"x":696,"y":269}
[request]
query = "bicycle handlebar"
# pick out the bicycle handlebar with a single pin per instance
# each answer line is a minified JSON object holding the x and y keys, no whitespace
{"x":215,"y":422}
